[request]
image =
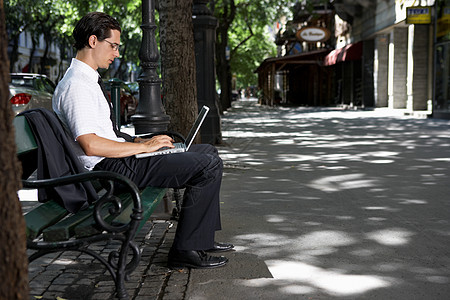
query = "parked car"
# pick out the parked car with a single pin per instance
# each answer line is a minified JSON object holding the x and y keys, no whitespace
{"x":128,"y":103}
{"x":28,"y":91}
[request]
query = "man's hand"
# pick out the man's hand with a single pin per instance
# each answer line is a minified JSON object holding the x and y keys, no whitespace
{"x":98,"y":146}
{"x":158,"y":142}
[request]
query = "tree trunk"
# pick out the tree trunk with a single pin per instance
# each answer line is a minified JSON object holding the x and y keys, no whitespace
{"x":33,"y":49}
{"x":178,"y":69}
{"x":44,"y":57}
{"x":62,"y":56}
{"x":223,"y":68}
{"x":13,"y":258}
{"x":14,"y":52}
{"x":223,"y":76}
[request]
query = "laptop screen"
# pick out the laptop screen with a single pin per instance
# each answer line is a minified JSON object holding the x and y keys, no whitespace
{"x":195,"y":128}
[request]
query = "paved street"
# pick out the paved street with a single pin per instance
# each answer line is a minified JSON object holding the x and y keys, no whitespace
{"x":335,"y":204}
{"x":321,"y":203}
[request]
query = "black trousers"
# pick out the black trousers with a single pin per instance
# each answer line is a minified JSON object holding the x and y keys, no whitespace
{"x":199,"y":171}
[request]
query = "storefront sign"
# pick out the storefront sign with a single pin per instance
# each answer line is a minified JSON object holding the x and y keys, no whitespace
{"x":418,"y":15}
{"x":313,"y":34}
{"x":443,"y":23}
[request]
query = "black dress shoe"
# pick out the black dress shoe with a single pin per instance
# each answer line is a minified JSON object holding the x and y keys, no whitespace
{"x":194,"y":259}
{"x":221,"y":247}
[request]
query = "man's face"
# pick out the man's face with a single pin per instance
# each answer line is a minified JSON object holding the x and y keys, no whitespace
{"x":107,"y":50}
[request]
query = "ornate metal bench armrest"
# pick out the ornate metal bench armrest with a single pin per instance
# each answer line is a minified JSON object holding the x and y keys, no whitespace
{"x":109,"y":178}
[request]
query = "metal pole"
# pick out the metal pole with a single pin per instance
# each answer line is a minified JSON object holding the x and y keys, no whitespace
{"x":115,"y":99}
{"x":205,"y":25}
{"x":150,"y":114}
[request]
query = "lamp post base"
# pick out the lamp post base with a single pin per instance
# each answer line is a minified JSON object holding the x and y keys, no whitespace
{"x":150,"y":115}
{"x":146,"y":124}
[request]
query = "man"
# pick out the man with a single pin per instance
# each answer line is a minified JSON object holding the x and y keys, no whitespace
{"x":82,"y":106}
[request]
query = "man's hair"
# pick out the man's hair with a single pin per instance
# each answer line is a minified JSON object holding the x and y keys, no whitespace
{"x":94,"y":23}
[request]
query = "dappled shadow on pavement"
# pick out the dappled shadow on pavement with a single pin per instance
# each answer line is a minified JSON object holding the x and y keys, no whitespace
{"x":339,"y":204}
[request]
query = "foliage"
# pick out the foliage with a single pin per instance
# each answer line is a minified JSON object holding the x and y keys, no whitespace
{"x":37,"y":17}
{"x":243,"y":27}
{"x":246,"y":59}
{"x":16,"y":21}
{"x":247,"y":29}
{"x":55,"y":19}
{"x":249,"y":39}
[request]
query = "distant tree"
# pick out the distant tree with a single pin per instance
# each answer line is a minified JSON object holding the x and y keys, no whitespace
{"x":241,"y":24}
{"x":16,"y":23}
{"x":37,"y":17}
{"x":250,"y":44}
{"x":13,"y":258}
{"x":48,"y":19}
{"x":55,"y":19}
{"x":225,"y":12}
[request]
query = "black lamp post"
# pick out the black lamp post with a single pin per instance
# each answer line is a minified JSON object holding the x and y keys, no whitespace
{"x":205,"y":25}
{"x":150,"y":114}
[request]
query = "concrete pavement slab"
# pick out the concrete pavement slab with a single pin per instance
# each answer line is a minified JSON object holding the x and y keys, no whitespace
{"x":338,"y":204}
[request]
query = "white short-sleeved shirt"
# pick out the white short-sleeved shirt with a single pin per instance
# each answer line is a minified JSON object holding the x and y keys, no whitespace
{"x":81,"y":105}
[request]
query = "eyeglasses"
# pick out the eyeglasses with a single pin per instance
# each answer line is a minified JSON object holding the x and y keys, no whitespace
{"x":115,"y":46}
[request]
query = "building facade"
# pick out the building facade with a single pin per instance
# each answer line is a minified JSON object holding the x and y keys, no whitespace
{"x":396,"y":62}
{"x":441,"y":92}
{"x":297,"y":75}
{"x":29,"y":60}
{"x":387,"y":53}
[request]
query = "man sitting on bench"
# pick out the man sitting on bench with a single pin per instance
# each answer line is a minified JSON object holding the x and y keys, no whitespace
{"x":82,"y":106}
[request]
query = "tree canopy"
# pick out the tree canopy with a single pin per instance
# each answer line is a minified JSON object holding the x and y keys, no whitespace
{"x":55,"y":19}
{"x":243,"y":30}
{"x":251,"y":39}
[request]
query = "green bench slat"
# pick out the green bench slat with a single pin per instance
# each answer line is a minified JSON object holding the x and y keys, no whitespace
{"x":25,"y":141}
{"x":43,"y":216}
{"x":63,"y":230}
{"x":150,"y":198}
{"x":81,"y":224}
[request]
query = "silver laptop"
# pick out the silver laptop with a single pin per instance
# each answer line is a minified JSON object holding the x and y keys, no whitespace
{"x":182,"y":147}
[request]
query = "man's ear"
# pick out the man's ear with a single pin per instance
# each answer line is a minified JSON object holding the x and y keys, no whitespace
{"x":93,"y":41}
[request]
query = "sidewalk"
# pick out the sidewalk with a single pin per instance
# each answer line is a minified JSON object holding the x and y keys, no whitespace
{"x":326,"y":203}
{"x":321,"y":203}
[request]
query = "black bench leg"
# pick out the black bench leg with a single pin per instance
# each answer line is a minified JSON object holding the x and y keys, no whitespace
{"x":120,"y":278}
{"x":123,"y":269}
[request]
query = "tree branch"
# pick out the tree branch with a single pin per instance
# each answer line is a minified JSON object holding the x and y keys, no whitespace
{"x":244,"y":40}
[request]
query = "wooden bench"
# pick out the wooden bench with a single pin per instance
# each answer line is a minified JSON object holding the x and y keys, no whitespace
{"x":113,"y":217}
